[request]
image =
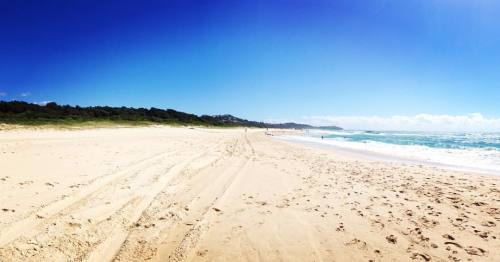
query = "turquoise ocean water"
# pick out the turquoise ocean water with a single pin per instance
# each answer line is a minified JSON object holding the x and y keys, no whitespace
{"x":472,"y":151}
{"x":486,"y":141}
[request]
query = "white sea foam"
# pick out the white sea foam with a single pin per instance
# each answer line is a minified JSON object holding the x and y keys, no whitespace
{"x":476,"y":159}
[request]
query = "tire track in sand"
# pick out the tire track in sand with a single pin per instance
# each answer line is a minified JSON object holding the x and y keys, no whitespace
{"x":172,"y":203}
{"x":108,"y":248}
{"x":28,"y":224}
{"x":71,"y":236}
{"x":180,"y":241}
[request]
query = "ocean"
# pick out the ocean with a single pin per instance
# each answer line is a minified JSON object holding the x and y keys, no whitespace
{"x":466,"y":151}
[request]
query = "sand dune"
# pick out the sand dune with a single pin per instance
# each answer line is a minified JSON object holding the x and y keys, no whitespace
{"x":179,"y":194}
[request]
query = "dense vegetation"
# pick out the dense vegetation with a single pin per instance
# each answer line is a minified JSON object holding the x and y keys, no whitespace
{"x":18,"y":112}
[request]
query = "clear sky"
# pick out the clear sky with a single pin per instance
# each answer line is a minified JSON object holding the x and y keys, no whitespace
{"x":256,"y":59}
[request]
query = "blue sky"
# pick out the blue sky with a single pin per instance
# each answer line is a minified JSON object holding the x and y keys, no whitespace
{"x":256,"y":59}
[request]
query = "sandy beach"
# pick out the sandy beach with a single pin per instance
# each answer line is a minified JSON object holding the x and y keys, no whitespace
{"x":193,"y":194}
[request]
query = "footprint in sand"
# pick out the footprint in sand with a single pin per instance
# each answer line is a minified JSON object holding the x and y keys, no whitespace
{"x":391,"y":239}
{"x":449,"y":237}
{"x":475,"y":251}
{"x":418,"y":235}
{"x":488,"y":224}
{"x":357,"y":243}
{"x":26,"y":183}
{"x":378,"y":224}
{"x":202,"y":253}
{"x":340,"y":228}
{"x":421,"y":256}
{"x":428,"y":223}
{"x":453,"y":243}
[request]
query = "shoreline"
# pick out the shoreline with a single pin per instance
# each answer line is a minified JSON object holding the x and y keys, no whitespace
{"x":376,"y":156}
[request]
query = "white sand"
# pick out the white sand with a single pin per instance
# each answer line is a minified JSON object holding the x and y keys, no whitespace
{"x":179,"y":194}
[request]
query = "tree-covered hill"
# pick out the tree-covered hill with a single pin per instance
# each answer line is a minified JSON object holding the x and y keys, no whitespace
{"x":19,"y":112}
